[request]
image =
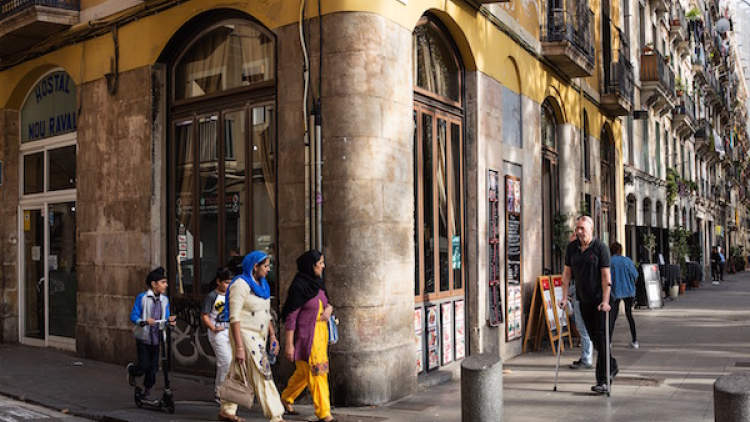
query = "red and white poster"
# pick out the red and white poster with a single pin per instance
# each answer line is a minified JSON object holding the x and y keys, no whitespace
{"x":460,"y":329}
{"x":549,"y":306}
{"x":561,"y":313}
{"x":433,"y":343}
{"x":447,"y":329}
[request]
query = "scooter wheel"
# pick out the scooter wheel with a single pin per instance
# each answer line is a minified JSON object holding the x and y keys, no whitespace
{"x":137,"y":397}
{"x":170,"y":409}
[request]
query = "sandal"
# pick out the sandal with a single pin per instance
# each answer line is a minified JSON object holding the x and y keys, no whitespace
{"x":230,"y":418}
{"x":289,"y":410}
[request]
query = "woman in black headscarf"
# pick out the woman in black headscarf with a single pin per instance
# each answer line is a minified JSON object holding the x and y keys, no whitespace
{"x":306,"y":313}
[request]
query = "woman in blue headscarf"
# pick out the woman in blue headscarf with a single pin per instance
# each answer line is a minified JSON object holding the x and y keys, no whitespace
{"x":249,"y":309}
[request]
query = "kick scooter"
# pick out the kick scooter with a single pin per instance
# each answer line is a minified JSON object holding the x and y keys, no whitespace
{"x":167,"y":399}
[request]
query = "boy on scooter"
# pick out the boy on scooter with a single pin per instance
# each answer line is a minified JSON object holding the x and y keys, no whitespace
{"x":150,"y":311}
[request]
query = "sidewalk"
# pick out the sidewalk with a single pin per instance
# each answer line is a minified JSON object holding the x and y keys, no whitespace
{"x":685,"y":347}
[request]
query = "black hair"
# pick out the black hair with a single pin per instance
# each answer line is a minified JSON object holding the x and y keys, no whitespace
{"x":615,"y":248}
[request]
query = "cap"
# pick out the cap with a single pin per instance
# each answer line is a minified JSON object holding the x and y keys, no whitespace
{"x":156,"y":275}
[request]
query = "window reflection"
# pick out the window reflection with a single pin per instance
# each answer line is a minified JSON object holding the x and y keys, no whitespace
{"x":226,"y":57}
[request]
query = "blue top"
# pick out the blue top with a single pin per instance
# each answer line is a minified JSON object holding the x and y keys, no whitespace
{"x":624,"y":275}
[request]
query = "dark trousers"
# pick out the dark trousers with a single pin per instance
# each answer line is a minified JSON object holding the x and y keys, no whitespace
{"x":595,"y":324}
{"x":628,"y":313}
{"x":717,"y":271}
{"x":148,"y":363}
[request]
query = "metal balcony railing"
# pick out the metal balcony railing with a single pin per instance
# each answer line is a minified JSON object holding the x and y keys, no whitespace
{"x":686,"y":107}
{"x":655,"y":69}
{"x":620,"y":77}
{"x":11,"y":7}
{"x":571,"y":24}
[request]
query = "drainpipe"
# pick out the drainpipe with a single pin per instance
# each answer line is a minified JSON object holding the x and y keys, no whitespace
{"x":305,"y":139}
{"x":318,"y":178}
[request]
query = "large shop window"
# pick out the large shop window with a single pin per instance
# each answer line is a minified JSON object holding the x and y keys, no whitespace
{"x":222,"y":154}
{"x":438,"y":193}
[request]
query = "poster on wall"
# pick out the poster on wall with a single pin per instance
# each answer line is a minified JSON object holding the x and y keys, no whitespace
{"x":494,"y":295}
{"x":433,"y":343}
{"x":460,"y":330}
{"x":446,"y":311}
{"x":513,"y":259}
{"x":418,"y":339}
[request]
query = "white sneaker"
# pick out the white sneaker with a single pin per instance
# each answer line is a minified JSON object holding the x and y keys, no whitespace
{"x":715,"y":283}
{"x":634,"y":344}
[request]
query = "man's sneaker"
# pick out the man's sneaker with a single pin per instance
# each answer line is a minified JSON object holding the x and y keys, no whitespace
{"x":634,"y":344}
{"x":599,"y":388}
{"x":129,"y":376}
{"x":715,"y":283}
{"x":614,"y":373}
{"x":579,"y":364}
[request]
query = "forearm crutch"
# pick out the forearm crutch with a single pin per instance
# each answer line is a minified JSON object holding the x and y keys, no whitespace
{"x":606,"y":348}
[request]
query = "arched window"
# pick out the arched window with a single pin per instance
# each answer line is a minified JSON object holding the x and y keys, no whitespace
{"x":438,"y":191}
{"x":549,"y":127}
{"x":222,"y":151}
{"x":436,"y":66}
{"x":647,"y":212}
{"x":659,"y":215}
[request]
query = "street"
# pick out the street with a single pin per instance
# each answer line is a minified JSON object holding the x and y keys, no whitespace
{"x":684,"y":348}
{"x":18,"y":411}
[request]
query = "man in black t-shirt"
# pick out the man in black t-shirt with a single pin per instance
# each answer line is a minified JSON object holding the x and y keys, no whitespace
{"x":587,"y":260}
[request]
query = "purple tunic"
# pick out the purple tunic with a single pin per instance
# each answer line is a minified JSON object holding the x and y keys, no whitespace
{"x":302,"y":322}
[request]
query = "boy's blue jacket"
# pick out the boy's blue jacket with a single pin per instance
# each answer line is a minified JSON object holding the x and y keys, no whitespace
{"x":142,"y":310}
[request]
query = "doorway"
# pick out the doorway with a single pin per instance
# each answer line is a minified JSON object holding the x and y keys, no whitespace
{"x":48,"y":271}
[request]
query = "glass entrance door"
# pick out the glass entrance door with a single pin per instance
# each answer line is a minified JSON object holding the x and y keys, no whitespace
{"x":35,"y":326}
{"x":49,"y":274}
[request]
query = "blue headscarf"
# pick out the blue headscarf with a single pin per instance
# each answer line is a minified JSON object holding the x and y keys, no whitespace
{"x":260,"y":287}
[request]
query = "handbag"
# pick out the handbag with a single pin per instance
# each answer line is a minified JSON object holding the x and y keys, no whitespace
{"x":237,"y":391}
{"x":333,"y":330}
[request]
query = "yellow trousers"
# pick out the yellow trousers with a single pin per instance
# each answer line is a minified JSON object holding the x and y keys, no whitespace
{"x":314,"y":377}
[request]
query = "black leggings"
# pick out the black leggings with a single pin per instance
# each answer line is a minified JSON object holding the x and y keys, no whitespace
{"x":628,"y":313}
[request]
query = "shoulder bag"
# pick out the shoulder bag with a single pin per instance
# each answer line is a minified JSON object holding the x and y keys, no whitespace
{"x":237,"y":391}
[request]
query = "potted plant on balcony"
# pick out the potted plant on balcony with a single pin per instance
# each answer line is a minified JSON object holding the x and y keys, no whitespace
{"x":679,"y":86}
{"x":693,"y":14}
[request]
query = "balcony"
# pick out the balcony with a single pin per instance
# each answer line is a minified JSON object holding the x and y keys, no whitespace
{"x":617,"y":83}
{"x":24,"y":23}
{"x":678,"y":27}
{"x":567,"y":41}
{"x":657,"y":83}
{"x":683,"y":116}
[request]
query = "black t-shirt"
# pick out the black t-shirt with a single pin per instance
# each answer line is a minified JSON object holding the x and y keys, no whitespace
{"x":586,"y":267}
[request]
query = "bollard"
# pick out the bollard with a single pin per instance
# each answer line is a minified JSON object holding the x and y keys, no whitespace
{"x":482,"y":388}
{"x":732,"y":398}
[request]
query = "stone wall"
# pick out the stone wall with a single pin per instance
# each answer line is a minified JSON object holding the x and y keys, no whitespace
{"x":9,"y":292}
{"x":368,"y":196}
{"x":113,"y":212}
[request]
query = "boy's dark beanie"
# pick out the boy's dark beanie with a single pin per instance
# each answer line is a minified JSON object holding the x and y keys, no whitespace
{"x":156,"y":275}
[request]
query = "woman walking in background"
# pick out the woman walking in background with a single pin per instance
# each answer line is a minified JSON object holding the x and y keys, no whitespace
{"x":250,"y":323}
{"x":306,"y":313}
{"x":624,"y":275}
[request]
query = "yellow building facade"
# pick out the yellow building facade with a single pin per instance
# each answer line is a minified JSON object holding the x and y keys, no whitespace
{"x":186,"y":133}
